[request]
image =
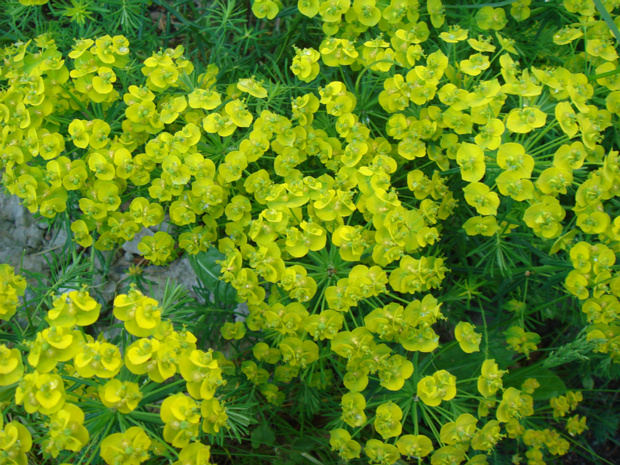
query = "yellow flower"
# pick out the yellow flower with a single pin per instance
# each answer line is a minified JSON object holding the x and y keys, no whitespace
{"x":490,"y":379}
{"x":482,"y":44}
{"x":491,"y":18}
{"x":11,"y":366}
{"x":523,"y":120}
{"x":514,"y":404}
{"x":202,"y":373}
{"x":479,"y":196}
{"x":214,"y":415}
{"x":97,"y":358}
{"x":11,"y":286}
{"x":433,"y":389}
{"x":123,"y":396}
{"x":567,"y":118}
{"x":380,"y":452}
{"x":576,"y":425}
{"x":341,"y":442}
{"x":53,"y":345}
{"x":470,"y":158}
{"x":181,"y":416}
{"x":67,"y":431}
{"x":521,"y":341}
{"x":387,"y":420}
{"x":454,"y":34}
{"x":43,"y":393}
{"x":353,"y":405}
{"x":512,"y":157}
{"x":128,"y":448}
{"x":459,"y":432}
{"x":194,"y":453}
{"x":544,"y":217}
{"x":475,"y":64}
{"x":486,"y":226}
{"x":414,"y":446}
{"x":265,"y":9}
{"x":468,"y":339}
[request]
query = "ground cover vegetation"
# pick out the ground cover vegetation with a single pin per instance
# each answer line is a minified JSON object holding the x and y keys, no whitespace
{"x":403,"y":216}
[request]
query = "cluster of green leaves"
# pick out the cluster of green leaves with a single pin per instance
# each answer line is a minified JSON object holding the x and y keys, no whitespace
{"x":423,"y":238}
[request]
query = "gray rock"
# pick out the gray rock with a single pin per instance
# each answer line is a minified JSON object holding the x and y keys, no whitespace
{"x":21,"y":240}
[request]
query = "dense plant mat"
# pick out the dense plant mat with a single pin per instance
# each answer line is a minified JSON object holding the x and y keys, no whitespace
{"x":403,"y":217}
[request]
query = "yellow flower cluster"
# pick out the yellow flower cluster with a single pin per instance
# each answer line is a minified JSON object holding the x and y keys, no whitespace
{"x":597,"y":287}
{"x":56,"y":391}
{"x":318,"y":214}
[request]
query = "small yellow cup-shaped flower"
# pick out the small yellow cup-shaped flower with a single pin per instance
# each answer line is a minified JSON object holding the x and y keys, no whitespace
{"x":194,"y":453}
{"x":414,"y":446}
{"x":524,"y":120}
{"x":455,"y":34}
{"x":491,"y":18}
{"x":265,"y":9}
{"x":123,"y":396}
{"x":67,"y":431}
{"x":341,"y":442}
{"x":305,"y":64}
{"x":181,"y":415}
{"x":350,"y":242}
{"x":381,"y":453}
{"x":460,"y":431}
{"x":576,"y":425}
{"x":433,"y":389}
{"x":16,"y":441}
{"x":86,"y":309}
{"x":475,"y":64}
{"x":147,"y":318}
{"x":490,"y":380}
{"x":233,"y":330}
{"x":52,"y":345}
{"x":530,"y":385}
{"x":470,"y":158}
{"x":139,"y":355}
{"x":479,"y":196}
{"x":521,"y":341}
{"x":486,"y":226}
{"x":514,"y":404}
{"x":11,"y":366}
{"x":81,"y":234}
{"x":130,"y":447}
{"x":214,"y":415}
{"x":262,"y":352}
{"x":309,"y":8}
{"x":296,"y":352}
{"x":567,"y":35}
{"x":252,"y":87}
{"x":468,"y":339}
{"x":544,"y":217}
{"x":394,"y":370}
{"x":387,"y":420}
{"x":353,"y":405}
{"x":565,"y":115}
{"x":486,"y":438}
{"x":79,"y":134}
{"x":202,"y":373}
{"x":560,"y":406}
{"x":43,"y":393}
{"x":97,"y":358}
{"x":512,"y":158}
{"x":324,"y":325}
{"x":238,"y":113}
